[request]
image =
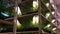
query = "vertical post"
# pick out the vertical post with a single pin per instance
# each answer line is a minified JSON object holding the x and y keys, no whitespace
{"x":39,"y":13}
{"x":15,"y":17}
{"x":15,"y":23}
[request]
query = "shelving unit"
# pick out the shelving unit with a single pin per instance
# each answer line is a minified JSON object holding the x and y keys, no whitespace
{"x":5,"y":21}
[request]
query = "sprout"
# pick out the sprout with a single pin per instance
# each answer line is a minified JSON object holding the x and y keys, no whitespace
{"x":53,"y":21}
{"x":47,"y":26}
{"x":35,"y":20}
{"x":18,"y":10}
{"x":47,"y":4}
{"x":54,"y":29}
{"x":47,"y":15}
{"x":53,"y":12}
{"x":35,"y":5}
{"x":18,"y":24}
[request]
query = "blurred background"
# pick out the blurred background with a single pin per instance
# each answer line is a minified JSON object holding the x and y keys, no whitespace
{"x":27,"y":17}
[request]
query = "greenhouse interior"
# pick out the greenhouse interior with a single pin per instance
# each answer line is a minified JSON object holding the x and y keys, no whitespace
{"x":29,"y":17}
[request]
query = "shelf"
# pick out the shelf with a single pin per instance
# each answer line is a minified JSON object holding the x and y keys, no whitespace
{"x":24,"y":32}
{"x":23,"y":16}
{"x":28,"y":32}
{"x":5,"y":22}
{"x":20,"y":32}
